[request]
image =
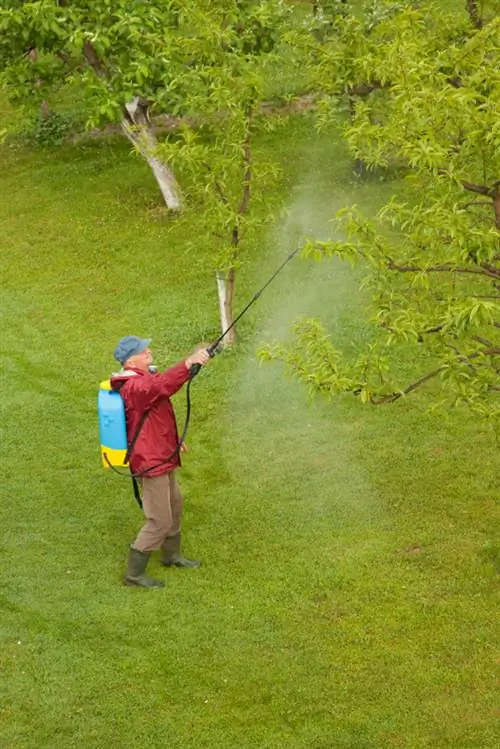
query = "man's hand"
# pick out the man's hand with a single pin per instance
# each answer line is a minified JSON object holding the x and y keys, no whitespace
{"x":199,"y":356}
{"x":184,"y":447}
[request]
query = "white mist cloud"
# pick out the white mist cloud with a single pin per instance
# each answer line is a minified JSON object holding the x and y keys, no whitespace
{"x":274,"y":434}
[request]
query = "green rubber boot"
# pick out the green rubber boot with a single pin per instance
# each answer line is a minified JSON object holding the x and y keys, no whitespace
{"x":172,"y":556}
{"x":137,"y":563}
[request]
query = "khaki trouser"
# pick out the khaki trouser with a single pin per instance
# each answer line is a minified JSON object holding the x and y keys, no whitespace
{"x":162,"y":505}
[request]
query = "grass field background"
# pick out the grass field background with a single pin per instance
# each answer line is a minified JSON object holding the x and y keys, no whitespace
{"x":350,"y":555}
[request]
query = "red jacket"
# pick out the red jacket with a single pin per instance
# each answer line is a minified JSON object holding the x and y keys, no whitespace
{"x":158,"y":438}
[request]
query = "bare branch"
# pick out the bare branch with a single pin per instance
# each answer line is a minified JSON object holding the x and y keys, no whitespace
{"x":218,"y":188}
{"x":478,"y":202}
{"x":413,"y":386}
{"x":484,"y":341}
{"x":479,"y":189}
{"x":93,"y":58}
{"x":437,"y":329}
{"x":493,"y":351}
{"x":484,"y":270}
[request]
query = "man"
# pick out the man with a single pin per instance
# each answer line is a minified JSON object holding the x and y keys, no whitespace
{"x":154,"y":454}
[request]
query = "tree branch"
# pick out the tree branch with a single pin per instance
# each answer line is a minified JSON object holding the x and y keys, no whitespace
{"x":479,"y":189}
{"x":247,"y":180}
{"x":413,"y":386}
{"x":472,"y":8}
{"x":484,"y":341}
{"x":93,"y":59}
{"x":492,"y":351}
{"x":437,"y":329}
{"x":478,"y":202}
{"x":484,"y":270}
{"x":363,"y":89}
{"x":218,"y":188}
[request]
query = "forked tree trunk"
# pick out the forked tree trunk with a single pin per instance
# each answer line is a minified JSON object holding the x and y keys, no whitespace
{"x":225,"y":292}
{"x":137,"y":128}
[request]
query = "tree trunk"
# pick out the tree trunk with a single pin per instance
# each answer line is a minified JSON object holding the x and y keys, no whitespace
{"x":472,"y":7}
{"x":225,"y":292}
{"x":225,"y":281}
{"x":137,"y":127}
{"x":44,"y":110}
{"x":360,"y":169}
{"x":496,"y":204}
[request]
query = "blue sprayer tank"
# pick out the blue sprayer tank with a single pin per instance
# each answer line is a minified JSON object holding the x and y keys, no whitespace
{"x":112,"y":426}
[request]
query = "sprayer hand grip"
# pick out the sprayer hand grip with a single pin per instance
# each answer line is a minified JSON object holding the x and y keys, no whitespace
{"x":194,"y":369}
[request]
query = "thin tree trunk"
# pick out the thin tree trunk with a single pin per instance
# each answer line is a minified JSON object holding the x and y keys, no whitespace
{"x":225,"y":292}
{"x":359,"y":165}
{"x":137,"y":128}
{"x":496,"y":205}
{"x":225,"y":281}
{"x":44,"y":110}
{"x":472,"y":8}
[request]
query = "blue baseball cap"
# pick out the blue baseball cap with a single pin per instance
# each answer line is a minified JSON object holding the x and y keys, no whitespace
{"x":130,"y":346}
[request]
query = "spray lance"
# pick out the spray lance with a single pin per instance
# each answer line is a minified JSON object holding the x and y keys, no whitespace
{"x":106,"y":394}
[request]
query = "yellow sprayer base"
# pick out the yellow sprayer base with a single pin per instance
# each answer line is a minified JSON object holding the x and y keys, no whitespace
{"x":115,"y":457}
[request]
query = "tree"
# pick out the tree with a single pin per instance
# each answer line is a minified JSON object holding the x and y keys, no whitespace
{"x":431,"y":109}
{"x":125,"y":60}
{"x":216,"y":156}
{"x":121,"y":58}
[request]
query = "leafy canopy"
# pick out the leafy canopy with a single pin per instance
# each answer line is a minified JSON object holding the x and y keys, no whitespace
{"x":115,"y":50}
{"x":423,"y":92}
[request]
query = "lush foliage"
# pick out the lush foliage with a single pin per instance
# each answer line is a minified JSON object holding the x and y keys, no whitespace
{"x":119,"y":49}
{"x":423,"y":92}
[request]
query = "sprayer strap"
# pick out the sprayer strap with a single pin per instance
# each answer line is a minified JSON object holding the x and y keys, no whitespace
{"x":137,"y":493}
{"x":136,"y":435}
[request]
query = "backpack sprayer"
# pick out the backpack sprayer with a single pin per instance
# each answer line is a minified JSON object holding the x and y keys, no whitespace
{"x":115,"y":445}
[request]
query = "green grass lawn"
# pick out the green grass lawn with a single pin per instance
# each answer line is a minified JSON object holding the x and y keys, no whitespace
{"x":349,"y":587}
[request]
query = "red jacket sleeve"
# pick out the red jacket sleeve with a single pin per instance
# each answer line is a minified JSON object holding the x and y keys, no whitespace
{"x":145,"y":391}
